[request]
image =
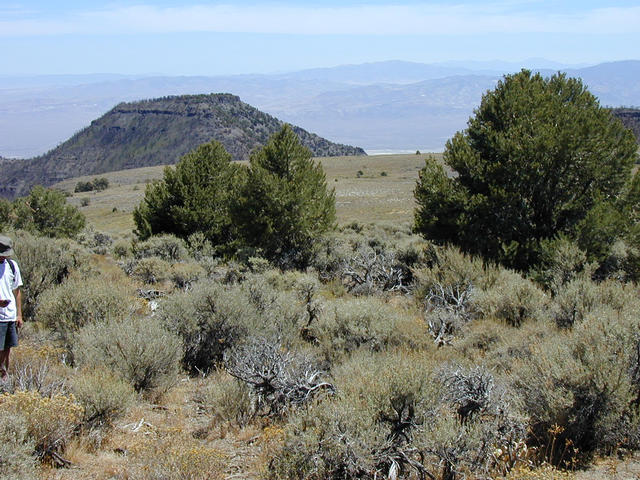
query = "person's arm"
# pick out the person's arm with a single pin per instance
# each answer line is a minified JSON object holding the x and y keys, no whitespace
{"x":18,"y":295}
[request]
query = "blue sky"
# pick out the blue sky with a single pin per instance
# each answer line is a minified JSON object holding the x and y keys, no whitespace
{"x":244,"y":36}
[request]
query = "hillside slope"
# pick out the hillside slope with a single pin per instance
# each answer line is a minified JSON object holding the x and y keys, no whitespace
{"x":630,"y":118}
{"x":156,"y":132}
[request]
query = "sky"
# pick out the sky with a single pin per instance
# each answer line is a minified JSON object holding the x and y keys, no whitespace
{"x":202,"y":37}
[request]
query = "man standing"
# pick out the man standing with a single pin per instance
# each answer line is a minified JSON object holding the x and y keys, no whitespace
{"x":10,"y":303}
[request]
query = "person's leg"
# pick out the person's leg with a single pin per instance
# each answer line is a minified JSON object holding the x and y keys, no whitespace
{"x":8,"y":339}
{"x":4,"y":363}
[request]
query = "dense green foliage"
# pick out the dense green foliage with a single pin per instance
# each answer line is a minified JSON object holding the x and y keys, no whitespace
{"x":278,"y":206}
{"x":538,"y":158}
{"x":194,"y":196}
{"x":285,"y":202}
{"x":46,"y":212}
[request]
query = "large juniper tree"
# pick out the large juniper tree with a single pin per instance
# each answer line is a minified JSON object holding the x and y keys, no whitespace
{"x":538,"y":156}
{"x":285,"y":203}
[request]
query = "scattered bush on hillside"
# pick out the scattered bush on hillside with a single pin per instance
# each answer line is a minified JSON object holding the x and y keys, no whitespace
{"x":46,"y":212}
{"x":16,"y":448}
{"x":138,"y":349}
{"x":97,"y":184}
{"x":44,"y":263}
{"x":79,"y":301}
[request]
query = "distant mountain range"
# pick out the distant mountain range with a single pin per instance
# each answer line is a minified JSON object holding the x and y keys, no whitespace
{"x":156,"y":132}
{"x":384,"y":106}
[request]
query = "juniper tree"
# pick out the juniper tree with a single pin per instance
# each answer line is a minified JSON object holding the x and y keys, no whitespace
{"x":195,"y":196}
{"x":285,"y":203}
{"x":537,"y":157}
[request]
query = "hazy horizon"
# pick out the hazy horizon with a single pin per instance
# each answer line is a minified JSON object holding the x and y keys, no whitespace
{"x":168,"y":37}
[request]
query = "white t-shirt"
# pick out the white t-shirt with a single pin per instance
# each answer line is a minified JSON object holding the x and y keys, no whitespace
{"x":8,"y":283}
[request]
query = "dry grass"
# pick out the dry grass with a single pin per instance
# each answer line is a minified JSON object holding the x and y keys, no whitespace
{"x":383,"y":192}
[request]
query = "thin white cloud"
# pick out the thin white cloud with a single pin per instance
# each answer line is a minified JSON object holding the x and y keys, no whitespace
{"x":347,"y":20}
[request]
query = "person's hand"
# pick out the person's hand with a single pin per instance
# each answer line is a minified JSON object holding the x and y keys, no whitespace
{"x":19,"y":322}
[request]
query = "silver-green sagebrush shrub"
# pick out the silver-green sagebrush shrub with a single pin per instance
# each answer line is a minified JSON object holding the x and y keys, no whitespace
{"x":139,"y":349}
{"x":579,"y":387}
{"x":80,"y":301}
{"x":226,"y":398}
{"x":371,"y":324}
{"x":151,"y":270}
{"x":391,"y":418}
{"x":167,"y":247}
{"x":582,"y":295}
{"x":210,"y":318}
{"x":44,"y":263}
{"x":104,"y":396}
{"x":16,"y":448}
{"x":185,"y":275}
{"x":511,"y":299}
{"x":561,"y":261}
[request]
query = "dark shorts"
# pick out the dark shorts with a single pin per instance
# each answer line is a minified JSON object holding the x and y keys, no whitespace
{"x":8,"y":335}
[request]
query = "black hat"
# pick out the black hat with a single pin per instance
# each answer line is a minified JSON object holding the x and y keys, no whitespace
{"x":6,"y":246}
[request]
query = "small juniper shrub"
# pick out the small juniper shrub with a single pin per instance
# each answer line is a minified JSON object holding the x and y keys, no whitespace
{"x":50,"y":421}
{"x":103,"y":395}
{"x":68,"y":307}
{"x":44,"y":263}
{"x":16,"y":448}
{"x":278,"y":378}
{"x":225,"y":398}
{"x":138,"y":349}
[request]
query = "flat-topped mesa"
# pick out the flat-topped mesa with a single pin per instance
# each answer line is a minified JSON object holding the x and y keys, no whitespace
{"x":157,"y":132}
